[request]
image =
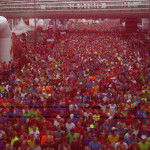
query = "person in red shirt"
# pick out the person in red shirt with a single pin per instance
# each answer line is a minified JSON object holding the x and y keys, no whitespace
{"x":78,"y":128}
{"x":51,"y":126}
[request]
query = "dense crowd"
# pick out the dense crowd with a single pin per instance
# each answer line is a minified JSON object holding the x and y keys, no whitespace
{"x":88,"y":91}
{"x":102,"y":26}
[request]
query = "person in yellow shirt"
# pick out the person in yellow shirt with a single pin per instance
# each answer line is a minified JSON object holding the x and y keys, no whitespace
{"x":14,"y":139}
{"x":113,"y":138}
{"x":96,"y":116}
{"x":31,"y":141}
{"x":129,"y":104}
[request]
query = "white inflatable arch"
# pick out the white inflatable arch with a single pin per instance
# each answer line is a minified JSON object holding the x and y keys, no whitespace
{"x":6,"y":52}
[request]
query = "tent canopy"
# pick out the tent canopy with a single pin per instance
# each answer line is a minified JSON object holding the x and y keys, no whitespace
{"x":21,"y":28}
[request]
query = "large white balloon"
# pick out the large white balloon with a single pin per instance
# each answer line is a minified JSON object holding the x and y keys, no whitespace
{"x":6,"y":53}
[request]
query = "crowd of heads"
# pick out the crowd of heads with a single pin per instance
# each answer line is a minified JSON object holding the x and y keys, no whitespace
{"x":87,"y":91}
{"x":99,"y":25}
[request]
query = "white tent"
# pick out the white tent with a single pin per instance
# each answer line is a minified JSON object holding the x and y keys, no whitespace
{"x":39,"y":23}
{"x":21,"y":28}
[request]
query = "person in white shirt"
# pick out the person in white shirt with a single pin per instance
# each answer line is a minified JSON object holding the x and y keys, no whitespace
{"x":2,"y":133}
{"x":113,"y":107}
{"x":35,"y":133}
{"x":72,"y":106}
{"x":121,"y":144}
{"x":87,"y":113}
{"x":69,"y":125}
{"x":102,"y":105}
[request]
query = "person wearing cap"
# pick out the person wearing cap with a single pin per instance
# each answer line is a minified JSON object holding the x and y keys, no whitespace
{"x":143,"y":144}
{"x":121,"y":131}
{"x":57,"y":121}
{"x":121,"y":144}
{"x":93,"y":130}
{"x":128,"y":136}
{"x":113,"y":138}
{"x":144,"y":131}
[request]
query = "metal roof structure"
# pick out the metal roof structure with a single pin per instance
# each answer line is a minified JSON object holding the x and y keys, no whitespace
{"x":72,"y":8}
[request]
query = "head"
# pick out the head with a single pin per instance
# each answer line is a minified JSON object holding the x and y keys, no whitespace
{"x":48,"y":138}
{"x":24,"y":144}
{"x":58,"y":128}
{"x":95,"y":138}
{"x":37,"y":142}
{"x":113,"y":131}
{"x":135,"y":146}
{"x":89,"y":135}
{"x":121,"y":140}
{"x":143,"y":138}
{"x":69,"y":120}
{"x":144,"y":128}
{"x":75,"y":139}
{"x":21,"y":138}
{"x":106,"y":122}
{"x":34,"y":128}
{"x":32,"y":137}
{"x":121,"y":125}
{"x":7,"y":146}
{"x":64,"y":141}
{"x":130,"y":131}
{"x":72,"y":131}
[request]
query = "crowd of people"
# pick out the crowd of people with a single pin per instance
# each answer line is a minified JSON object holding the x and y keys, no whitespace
{"x":86,"y":92}
{"x":101,"y":26}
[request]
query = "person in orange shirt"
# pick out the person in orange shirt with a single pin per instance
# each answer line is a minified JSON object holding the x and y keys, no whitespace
{"x":47,"y":140}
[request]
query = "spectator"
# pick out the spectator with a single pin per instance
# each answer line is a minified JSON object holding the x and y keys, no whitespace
{"x":31,"y":141}
{"x":18,"y":143}
{"x":2,"y":146}
{"x":58,"y":135}
{"x":91,"y":81}
{"x":64,"y":145}
{"x":8,"y":147}
{"x":121,"y":144}
{"x":37,"y":145}
{"x":24,"y":146}
{"x":35,"y":133}
{"x":71,"y":135}
{"x":69,"y":125}
{"x":144,"y":145}
{"x":95,"y":145}
{"x":75,"y":144}
{"x":134,"y":146}
{"x":113,"y":138}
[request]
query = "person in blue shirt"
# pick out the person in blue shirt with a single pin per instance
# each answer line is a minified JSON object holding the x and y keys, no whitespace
{"x":1,"y":145}
{"x":95,"y":145}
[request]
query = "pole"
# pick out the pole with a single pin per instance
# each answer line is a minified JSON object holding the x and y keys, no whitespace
{"x":35,"y":31}
{"x":149,"y":17}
